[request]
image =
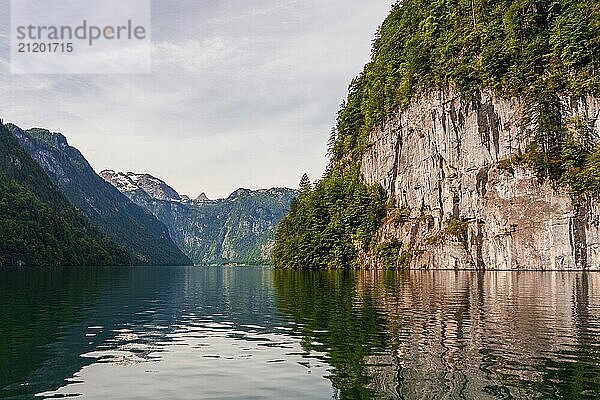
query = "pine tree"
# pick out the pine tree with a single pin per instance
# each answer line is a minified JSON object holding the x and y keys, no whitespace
{"x":305,"y":185}
{"x":333,"y":136}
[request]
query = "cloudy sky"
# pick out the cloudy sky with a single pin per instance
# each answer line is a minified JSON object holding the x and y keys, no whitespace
{"x":243,"y":93}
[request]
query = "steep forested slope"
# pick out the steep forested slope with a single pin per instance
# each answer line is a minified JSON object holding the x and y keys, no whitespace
{"x":146,"y":238}
{"x":38,"y":225}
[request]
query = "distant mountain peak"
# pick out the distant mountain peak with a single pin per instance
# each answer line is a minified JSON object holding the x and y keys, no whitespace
{"x":53,"y":138}
{"x":241,"y":192}
{"x":202,"y":197}
{"x":131,"y":181}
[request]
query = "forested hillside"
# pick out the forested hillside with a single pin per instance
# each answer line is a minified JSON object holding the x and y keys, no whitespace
{"x":38,"y":225}
{"x":127,"y":224}
{"x":535,"y":50}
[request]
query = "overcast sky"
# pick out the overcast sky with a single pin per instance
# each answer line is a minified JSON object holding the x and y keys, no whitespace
{"x":243,"y":93}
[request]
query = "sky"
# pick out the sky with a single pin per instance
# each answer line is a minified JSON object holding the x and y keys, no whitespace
{"x":242,"y":93}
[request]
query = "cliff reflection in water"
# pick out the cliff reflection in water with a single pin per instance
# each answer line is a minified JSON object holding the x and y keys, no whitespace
{"x":445,"y":334}
{"x":176,"y":332}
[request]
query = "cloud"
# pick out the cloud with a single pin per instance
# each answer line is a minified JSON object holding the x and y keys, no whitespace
{"x":242,"y":93}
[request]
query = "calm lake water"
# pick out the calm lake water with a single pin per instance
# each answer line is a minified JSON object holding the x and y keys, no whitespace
{"x":256,"y":333}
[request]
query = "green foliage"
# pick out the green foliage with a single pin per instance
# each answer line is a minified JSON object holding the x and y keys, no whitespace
{"x":328,"y":225}
{"x":38,"y":226}
{"x":392,"y":256}
{"x":515,"y":47}
{"x":457,"y":228}
{"x":534,"y":49}
{"x":398,"y":215}
{"x":566,"y":152}
{"x":576,"y":161}
{"x":31,"y":233}
{"x":305,"y":184}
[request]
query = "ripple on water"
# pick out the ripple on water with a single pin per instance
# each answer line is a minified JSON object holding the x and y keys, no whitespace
{"x":240,"y":333}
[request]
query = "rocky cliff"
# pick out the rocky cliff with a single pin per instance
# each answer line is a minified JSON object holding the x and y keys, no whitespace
{"x":238,"y":229}
{"x":459,"y":203}
{"x":479,"y":122}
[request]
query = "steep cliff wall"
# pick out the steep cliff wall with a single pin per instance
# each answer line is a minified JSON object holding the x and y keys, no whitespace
{"x":438,"y":159}
{"x":452,"y":161}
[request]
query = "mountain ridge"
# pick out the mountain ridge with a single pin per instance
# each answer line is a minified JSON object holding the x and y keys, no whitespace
{"x":238,"y":229}
{"x":38,"y":224}
{"x":112,"y":213}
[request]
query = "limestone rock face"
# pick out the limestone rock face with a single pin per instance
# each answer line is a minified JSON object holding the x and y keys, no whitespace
{"x":439,"y":159}
{"x":131,"y":181}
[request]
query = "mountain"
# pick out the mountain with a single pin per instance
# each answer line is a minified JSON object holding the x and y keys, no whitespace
{"x":471,"y":140}
{"x":238,"y":229}
{"x":129,"y":182}
{"x":112,"y":213}
{"x":38,"y":225}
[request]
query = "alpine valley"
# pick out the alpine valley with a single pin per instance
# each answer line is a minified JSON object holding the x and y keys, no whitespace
{"x":236,"y":230}
{"x":140,"y":220}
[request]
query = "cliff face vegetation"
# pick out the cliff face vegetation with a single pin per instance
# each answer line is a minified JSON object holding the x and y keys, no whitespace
{"x":479,"y":121}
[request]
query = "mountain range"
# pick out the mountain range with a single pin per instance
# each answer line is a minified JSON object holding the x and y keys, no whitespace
{"x":123,"y":218}
{"x":38,"y":224}
{"x":236,"y":230}
{"x":119,"y":219}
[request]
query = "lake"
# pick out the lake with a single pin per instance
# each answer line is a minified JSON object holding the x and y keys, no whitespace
{"x":259,"y":333}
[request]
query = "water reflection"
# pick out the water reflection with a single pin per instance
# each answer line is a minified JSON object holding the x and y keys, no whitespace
{"x":335,"y":321}
{"x":150,"y":333}
{"x":451,"y":335}
{"x":243,"y":333}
